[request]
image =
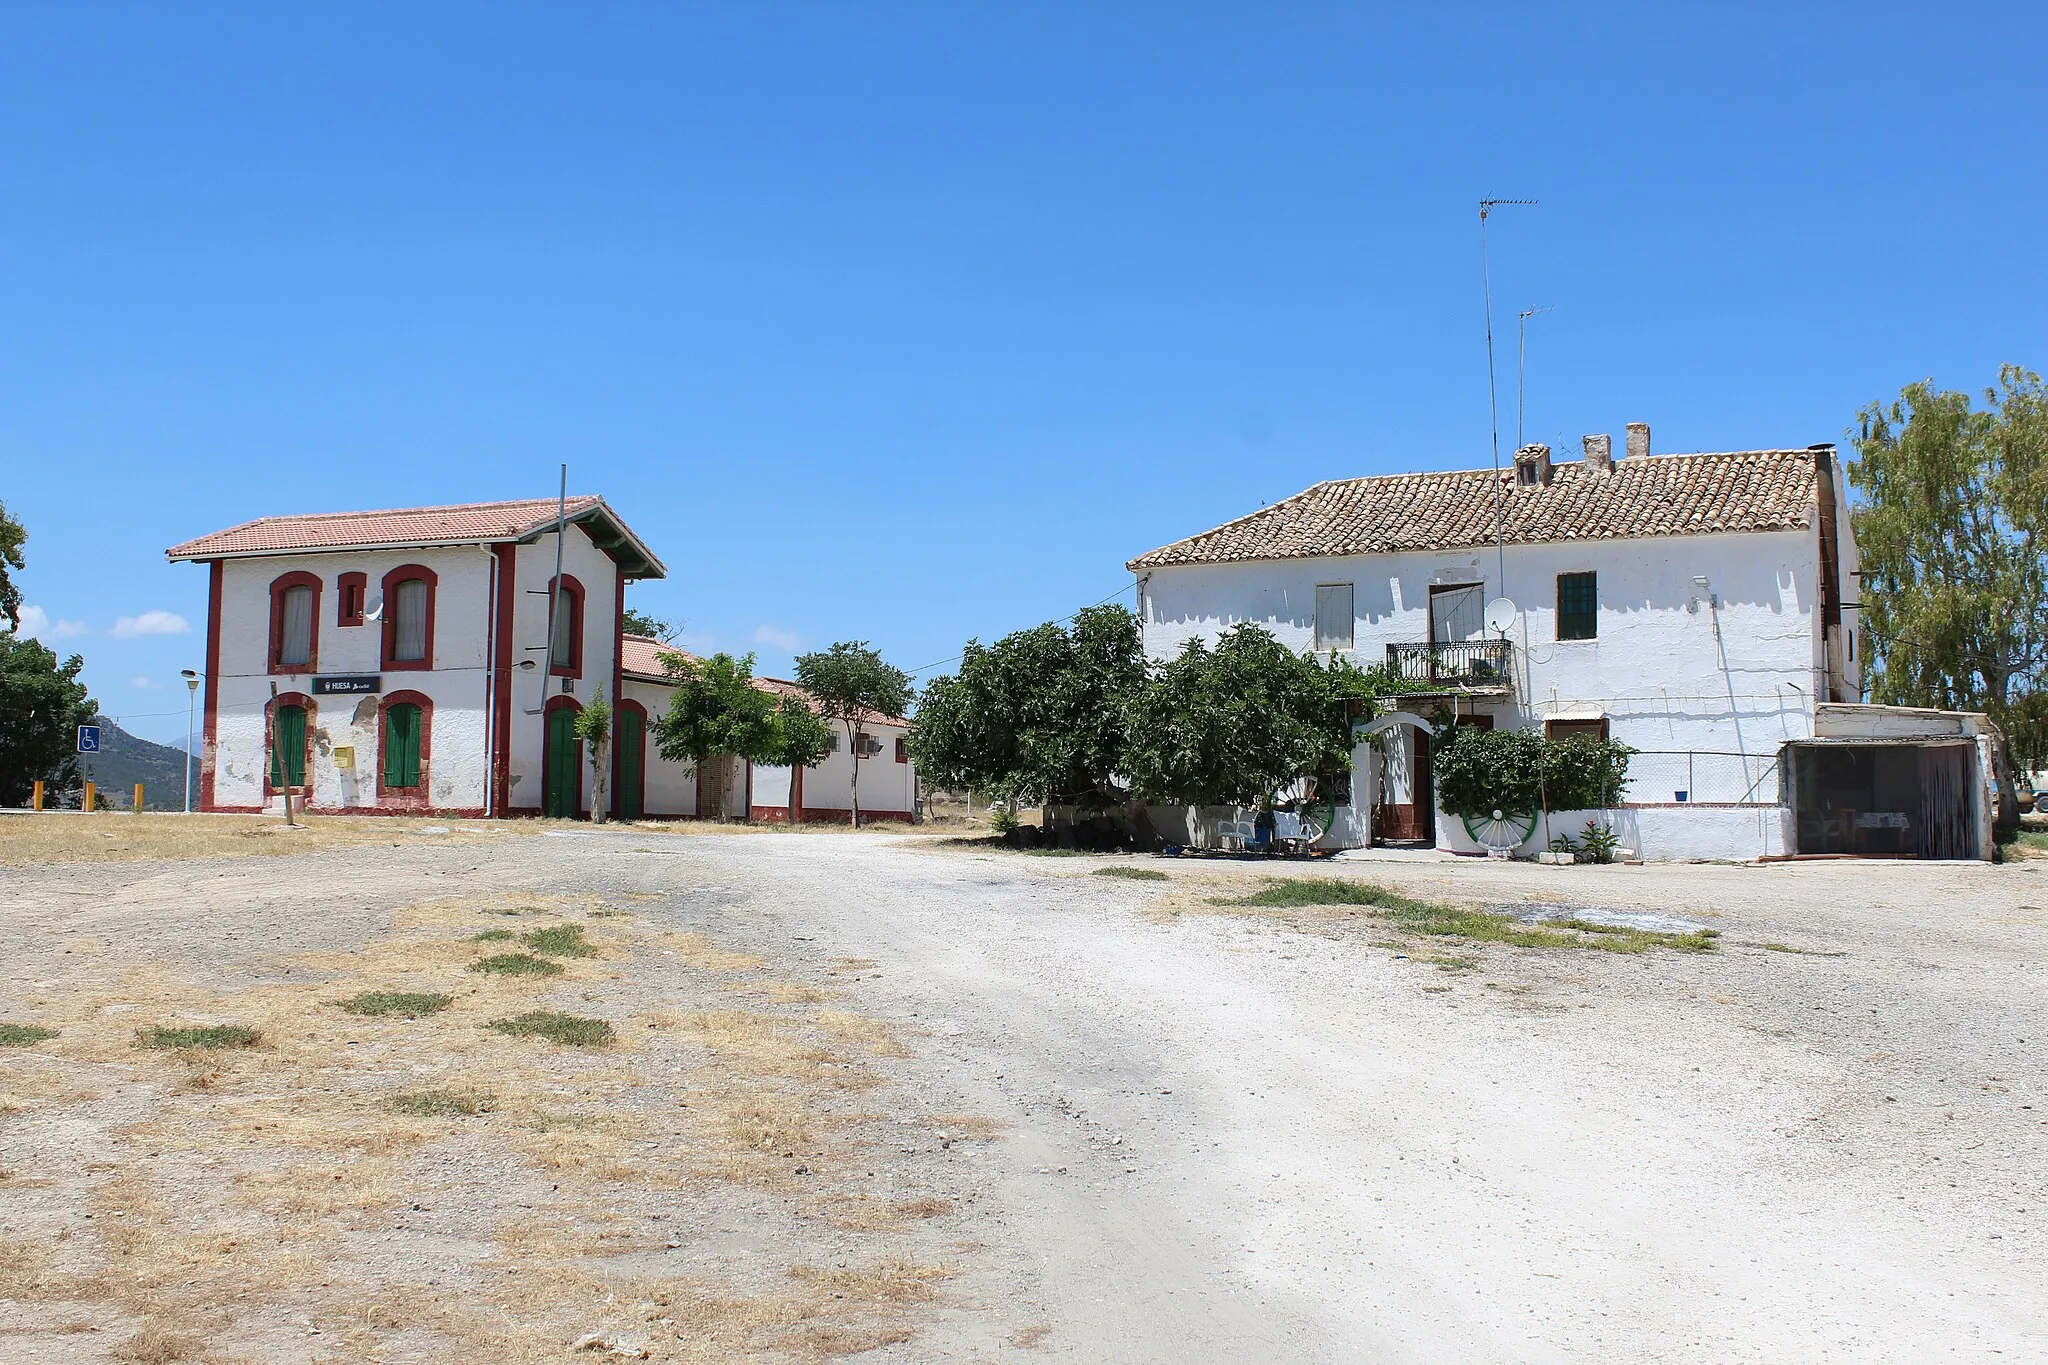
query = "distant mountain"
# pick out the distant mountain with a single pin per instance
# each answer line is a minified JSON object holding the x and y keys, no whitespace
{"x":124,"y":760}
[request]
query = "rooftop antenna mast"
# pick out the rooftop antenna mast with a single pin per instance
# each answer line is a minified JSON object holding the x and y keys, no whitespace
{"x":1486,"y":208}
{"x":1522,"y":365}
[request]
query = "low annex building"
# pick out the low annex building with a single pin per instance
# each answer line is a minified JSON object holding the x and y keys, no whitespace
{"x":658,"y":788}
{"x":405,"y":662}
{"x":1700,"y":607}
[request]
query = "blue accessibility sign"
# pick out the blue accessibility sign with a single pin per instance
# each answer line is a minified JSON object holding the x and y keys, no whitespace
{"x":88,"y":739}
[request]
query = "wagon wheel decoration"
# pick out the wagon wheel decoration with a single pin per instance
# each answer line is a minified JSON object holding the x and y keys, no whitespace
{"x":1500,"y":833}
{"x":1316,"y":818}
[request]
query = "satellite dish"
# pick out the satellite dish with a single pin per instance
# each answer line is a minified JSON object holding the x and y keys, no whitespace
{"x":1500,"y":615}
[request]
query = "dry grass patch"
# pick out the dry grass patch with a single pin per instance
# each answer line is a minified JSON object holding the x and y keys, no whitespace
{"x":696,"y":950}
{"x":106,"y":837}
{"x":441,"y":1104}
{"x":569,"y":1030}
{"x":19,"y":1035}
{"x":200,"y":1036}
{"x":872,"y":1035}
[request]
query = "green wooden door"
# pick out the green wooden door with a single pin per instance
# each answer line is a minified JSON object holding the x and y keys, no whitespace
{"x":631,"y":742}
{"x":288,"y":747}
{"x":562,"y":766}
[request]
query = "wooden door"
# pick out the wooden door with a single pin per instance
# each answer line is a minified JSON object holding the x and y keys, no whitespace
{"x":630,"y":741}
{"x":564,"y":767}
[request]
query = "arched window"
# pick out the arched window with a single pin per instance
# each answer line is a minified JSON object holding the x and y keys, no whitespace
{"x":405,"y":744}
{"x":294,"y":623}
{"x":409,"y":617}
{"x":566,"y":658}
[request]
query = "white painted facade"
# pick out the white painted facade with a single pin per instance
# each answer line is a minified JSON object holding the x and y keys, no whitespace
{"x":1707,"y":680}
{"x":484,"y":706}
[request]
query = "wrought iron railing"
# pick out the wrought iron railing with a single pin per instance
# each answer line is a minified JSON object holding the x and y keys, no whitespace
{"x":1468,"y":663}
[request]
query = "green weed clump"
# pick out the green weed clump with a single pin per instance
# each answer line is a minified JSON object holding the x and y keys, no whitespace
{"x":17,"y":1035}
{"x":1477,"y":926}
{"x":567,"y":1029}
{"x":559,"y":940}
{"x":515,"y":964}
{"x":1135,"y":874}
{"x":440,"y":1104}
{"x":207,"y":1036}
{"x":493,"y":936}
{"x":409,"y":1004}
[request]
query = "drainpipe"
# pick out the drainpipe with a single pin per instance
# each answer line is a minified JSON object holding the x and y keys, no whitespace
{"x":490,"y":684}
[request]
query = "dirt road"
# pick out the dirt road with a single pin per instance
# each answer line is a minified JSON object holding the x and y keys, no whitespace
{"x":1187,"y":1132}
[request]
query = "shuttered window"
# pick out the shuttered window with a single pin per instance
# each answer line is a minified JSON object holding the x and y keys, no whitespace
{"x":409,"y":620}
{"x":295,"y":630}
{"x":1333,"y":616}
{"x":1578,"y":606}
{"x":402,"y":745}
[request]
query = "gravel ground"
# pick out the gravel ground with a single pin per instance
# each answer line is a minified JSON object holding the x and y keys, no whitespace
{"x":1214,"y":1134}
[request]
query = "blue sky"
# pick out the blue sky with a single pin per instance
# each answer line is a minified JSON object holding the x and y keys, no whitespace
{"x":913,"y":323}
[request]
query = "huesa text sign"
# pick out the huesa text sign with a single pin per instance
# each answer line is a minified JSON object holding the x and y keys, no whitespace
{"x":343,"y":683}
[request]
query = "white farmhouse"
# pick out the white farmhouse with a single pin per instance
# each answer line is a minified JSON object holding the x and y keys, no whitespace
{"x":399,"y":662}
{"x":1701,"y":608}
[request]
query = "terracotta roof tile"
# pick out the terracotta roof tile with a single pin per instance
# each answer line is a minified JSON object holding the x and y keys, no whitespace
{"x":1661,"y":495}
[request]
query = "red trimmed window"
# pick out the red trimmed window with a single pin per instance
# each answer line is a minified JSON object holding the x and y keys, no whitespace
{"x":902,"y":752}
{"x":566,"y":658}
{"x":295,"y":623}
{"x":290,"y":741}
{"x":404,"y":743}
{"x":350,"y":591}
{"x":409,"y":617}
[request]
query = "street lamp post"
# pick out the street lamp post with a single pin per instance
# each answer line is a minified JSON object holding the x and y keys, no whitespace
{"x":191,"y":696}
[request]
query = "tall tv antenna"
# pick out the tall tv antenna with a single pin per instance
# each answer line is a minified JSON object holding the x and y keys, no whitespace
{"x":1522,"y":364}
{"x":1486,"y":208}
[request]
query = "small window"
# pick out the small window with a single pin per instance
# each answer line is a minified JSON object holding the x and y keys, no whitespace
{"x":409,"y":621}
{"x":1592,"y":728}
{"x":295,"y":636}
{"x":864,"y":745}
{"x":1578,"y":606}
{"x":902,"y":751}
{"x":1333,"y":616}
{"x":351,"y":590}
{"x":565,"y":654}
{"x":402,"y":746}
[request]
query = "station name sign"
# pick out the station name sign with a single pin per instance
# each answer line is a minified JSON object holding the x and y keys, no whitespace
{"x":342,"y":684}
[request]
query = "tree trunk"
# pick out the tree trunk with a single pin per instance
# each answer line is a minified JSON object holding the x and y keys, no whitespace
{"x":597,"y":783}
{"x":853,"y":747}
{"x":712,"y":769}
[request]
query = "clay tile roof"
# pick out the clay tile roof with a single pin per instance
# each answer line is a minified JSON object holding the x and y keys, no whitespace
{"x":1658,"y":495}
{"x":640,"y":655}
{"x":462,"y":524}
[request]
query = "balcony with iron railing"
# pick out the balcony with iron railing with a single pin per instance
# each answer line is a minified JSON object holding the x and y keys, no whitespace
{"x":1478,"y":666}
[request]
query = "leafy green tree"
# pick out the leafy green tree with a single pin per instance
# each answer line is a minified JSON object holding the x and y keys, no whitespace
{"x":804,"y":738}
{"x":594,"y":728}
{"x":851,"y":683}
{"x":1519,"y":772}
{"x":636,"y":624}
{"x":42,"y":704}
{"x":717,"y":710}
{"x":12,"y":536}
{"x":1952,"y":526}
{"x":1039,"y":716}
{"x":1234,"y":724}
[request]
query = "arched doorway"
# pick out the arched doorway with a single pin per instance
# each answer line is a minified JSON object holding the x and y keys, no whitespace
{"x":1403,"y":798}
{"x":562,"y":793}
{"x":629,"y":767}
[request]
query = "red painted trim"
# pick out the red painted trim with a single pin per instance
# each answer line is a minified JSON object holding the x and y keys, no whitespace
{"x":351,"y":590}
{"x":447,"y":812}
{"x":297,"y":578}
{"x":304,"y":789}
{"x":778,"y":814}
{"x":624,"y":706}
{"x":401,"y":574}
{"x":547,"y":751}
{"x":574,"y":591}
{"x":412,"y":798}
{"x":501,"y":747}
{"x":209,"y":745}
{"x":840,"y":815}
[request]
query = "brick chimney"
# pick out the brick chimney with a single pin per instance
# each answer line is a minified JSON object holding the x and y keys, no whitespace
{"x":1532,"y":466}
{"x":1638,"y":440}
{"x":1599,"y":452}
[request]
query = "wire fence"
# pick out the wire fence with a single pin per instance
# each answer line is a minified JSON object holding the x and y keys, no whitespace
{"x":1657,"y":777}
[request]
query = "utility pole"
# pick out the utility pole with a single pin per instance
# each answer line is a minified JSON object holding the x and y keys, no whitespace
{"x":1522,"y":366}
{"x":1486,"y":208}
{"x":191,"y":697}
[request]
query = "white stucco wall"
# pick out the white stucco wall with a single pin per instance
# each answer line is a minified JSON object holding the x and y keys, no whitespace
{"x":455,"y":775}
{"x":1656,"y":668}
{"x":1689,"y":833}
{"x":885,"y":784}
{"x":457,"y":766}
{"x":671,"y":787}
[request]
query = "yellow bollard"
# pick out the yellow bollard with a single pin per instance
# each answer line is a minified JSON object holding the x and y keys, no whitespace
{"x":87,"y":807}
{"x":39,"y":794}
{"x":138,"y":798}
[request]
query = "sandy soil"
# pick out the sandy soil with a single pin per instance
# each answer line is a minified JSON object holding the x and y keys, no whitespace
{"x":1108,"y":1120}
